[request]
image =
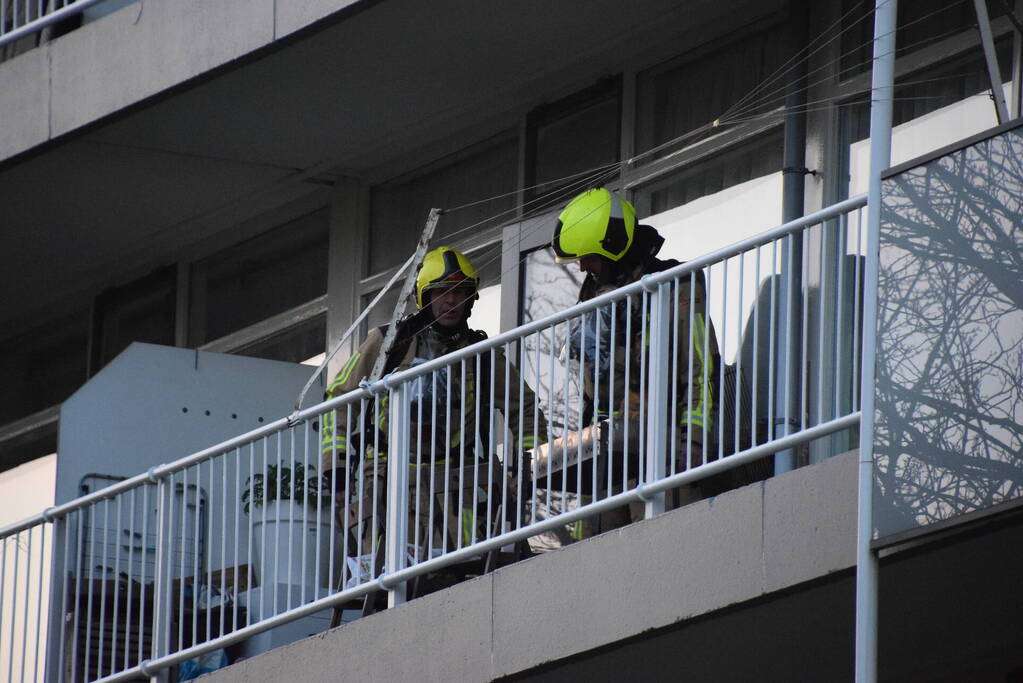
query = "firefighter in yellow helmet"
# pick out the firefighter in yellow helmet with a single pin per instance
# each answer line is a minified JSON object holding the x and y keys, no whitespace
{"x":598,"y":229}
{"x":450,"y":411}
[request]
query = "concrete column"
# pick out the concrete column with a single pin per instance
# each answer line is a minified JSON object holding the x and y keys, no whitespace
{"x":348,"y":255}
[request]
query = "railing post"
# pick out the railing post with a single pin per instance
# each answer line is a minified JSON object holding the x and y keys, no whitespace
{"x":396,"y":532}
{"x":161,"y":581}
{"x":657,"y":425}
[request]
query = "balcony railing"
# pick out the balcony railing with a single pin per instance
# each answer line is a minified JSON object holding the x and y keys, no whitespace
{"x":433,"y":469}
{"x":21,"y":18}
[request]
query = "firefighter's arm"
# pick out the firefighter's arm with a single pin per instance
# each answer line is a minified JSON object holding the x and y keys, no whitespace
{"x":334,"y":437}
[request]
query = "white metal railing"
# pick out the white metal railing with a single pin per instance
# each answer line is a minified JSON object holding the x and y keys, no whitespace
{"x":433,"y":468}
{"x":20,"y":18}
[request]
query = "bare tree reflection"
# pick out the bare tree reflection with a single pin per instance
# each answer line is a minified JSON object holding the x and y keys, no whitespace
{"x":950,"y":336}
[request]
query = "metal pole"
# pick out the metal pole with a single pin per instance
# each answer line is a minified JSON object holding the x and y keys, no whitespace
{"x":987,"y":41}
{"x":657,"y":410}
{"x":1017,"y":66}
{"x":396,"y":532}
{"x":882,"y":90}
{"x":793,"y":192}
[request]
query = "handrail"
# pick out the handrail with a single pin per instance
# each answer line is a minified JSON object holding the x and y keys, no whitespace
{"x":185,"y":540}
{"x":69,"y":10}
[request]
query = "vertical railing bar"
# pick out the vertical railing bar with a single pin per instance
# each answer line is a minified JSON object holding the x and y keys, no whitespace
{"x":359,"y":472}
{"x":756,"y":352}
{"x":447,"y":458}
{"x":857,"y":312}
{"x":128,"y":600}
{"x":416,"y":508}
{"x":594,"y":425}
{"x":506,"y":439}
{"x":223,"y":539}
{"x":611,"y":397}
{"x":28,"y":594}
{"x":304,"y":497}
{"x":117,"y":585}
{"x":737,"y":412}
{"x":772,"y":338}
{"x":550,"y":402}
{"x":691,"y":343}
{"x":519,"y":347}
{"x":461,"y":454}
{"x":196,"y":531}
{"x":66,"y":523}
{"x":103,"y":587}
{"x":491,"y":446}
{"x":344,"y":522}
{"x":565,"y":413}
{"x":235,"y":578}
{"x":673,"y":423}
{"x":430,"y":521}
{"x":4,"y":542}
{"x":164,"y":545}
{"x":644,"y":369}
{"x":804,"y":407}
{"x":262,"y":531}
{"x":705,"y":366}
{"x":626,"y":407}
{"x":209,"y":540}
{"x":536,"y":416}
{"x":181,"y":561}
{"x":250,"y":537}
{"x":79,"y":551}
{"x":839,"y":306}
{"x":145,"y":551}
{"x":822,"y":325}
{"x":477,"y":371}
{"x":90,"y":586}
{"x":42,"y":590}
{"x":581,"y":380}
{"x":276,"y":526}
{"x":721,"y":364}
{"x":295,"y":489}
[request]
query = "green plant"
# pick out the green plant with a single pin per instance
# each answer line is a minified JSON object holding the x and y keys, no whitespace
{"x":278,"y":482}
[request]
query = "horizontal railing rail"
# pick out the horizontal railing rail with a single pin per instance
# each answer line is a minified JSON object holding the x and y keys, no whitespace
{"x":675,"y":387}
{"x":21,"y":18}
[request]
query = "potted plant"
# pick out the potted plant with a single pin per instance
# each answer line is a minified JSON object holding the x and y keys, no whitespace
{"x":291,"y":523}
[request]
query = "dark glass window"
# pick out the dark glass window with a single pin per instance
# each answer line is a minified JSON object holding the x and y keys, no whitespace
{"x":261,"y":277}
{"x":920,"y":23}
{"x":684,"y":94}
{"x":43,"y":366}
{"x":399,"y":210}
{"x":141,"y":311}
{"x":574,"y":135}
{"x":294,"y":344}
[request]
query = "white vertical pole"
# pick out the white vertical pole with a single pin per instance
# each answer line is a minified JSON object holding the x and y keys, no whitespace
{"x":882,"y":90}
{"x":396,"y":532}
{"x":658,"y":393}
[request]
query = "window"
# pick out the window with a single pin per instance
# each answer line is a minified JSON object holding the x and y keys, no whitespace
{"x":43,"y":366}
{"x":573,"y":135}
{"x":141,"y":311}
{"x":399,"y":210}
{"x":259,"y":278}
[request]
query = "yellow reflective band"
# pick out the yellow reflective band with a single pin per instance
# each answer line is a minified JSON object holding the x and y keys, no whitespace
{"x":528,"y":441}
{"x":467,"y":520}
{"x":577,"y":530}
{"x":346,"y":372}
{"x":701,"y":413}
